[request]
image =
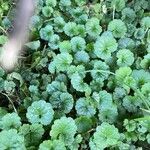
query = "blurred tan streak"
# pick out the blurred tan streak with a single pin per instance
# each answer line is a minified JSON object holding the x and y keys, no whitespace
{"x":12,"y":49}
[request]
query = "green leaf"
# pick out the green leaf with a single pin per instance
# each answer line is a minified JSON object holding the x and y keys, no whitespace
{"x":34,"y":45}
{"x":17,"y":76}
{"x":3,"y":39}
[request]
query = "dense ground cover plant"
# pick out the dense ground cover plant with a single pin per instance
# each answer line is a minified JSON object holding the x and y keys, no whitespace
{"x":85,"y":80}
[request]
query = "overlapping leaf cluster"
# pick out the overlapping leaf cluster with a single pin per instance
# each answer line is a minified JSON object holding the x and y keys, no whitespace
{"x":85,"y":81}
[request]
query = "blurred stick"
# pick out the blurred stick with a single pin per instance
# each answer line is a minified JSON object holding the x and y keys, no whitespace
{"x":13,"y":48}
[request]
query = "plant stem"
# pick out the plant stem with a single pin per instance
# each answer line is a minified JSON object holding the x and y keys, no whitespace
{"x":102,"y":71}
{"x":10,"y":102}
{"x":114,"y":8}
{"x":3,"y":30}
